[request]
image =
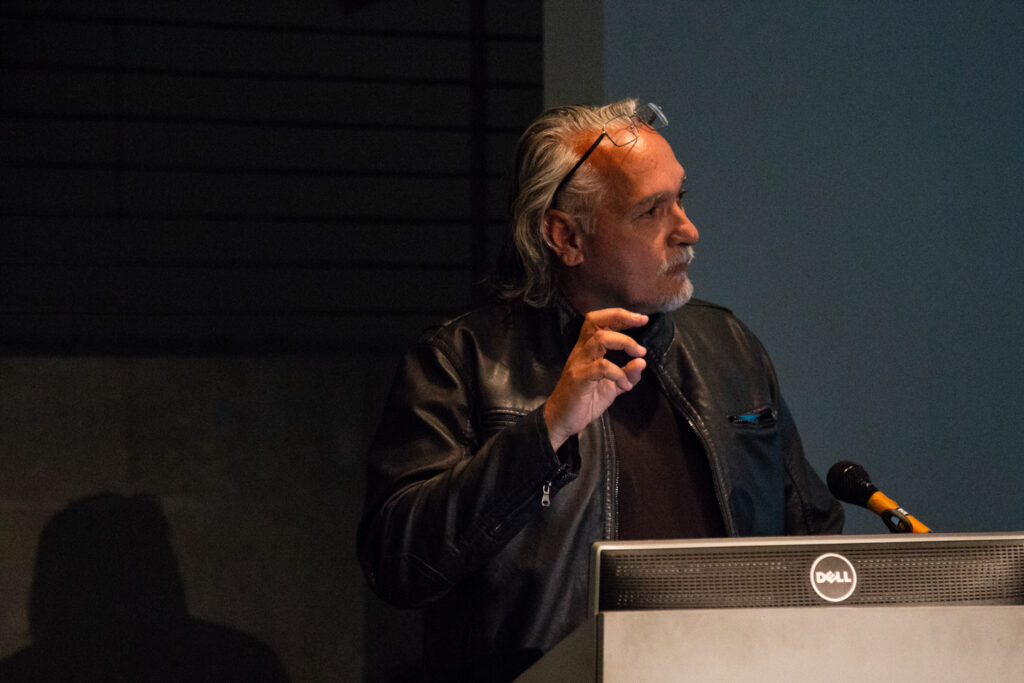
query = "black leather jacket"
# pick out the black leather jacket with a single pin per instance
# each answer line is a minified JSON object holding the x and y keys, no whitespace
{"x":454,"y":517}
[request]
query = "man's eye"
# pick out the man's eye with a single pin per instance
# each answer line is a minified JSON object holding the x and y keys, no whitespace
{"x":679,"y":199}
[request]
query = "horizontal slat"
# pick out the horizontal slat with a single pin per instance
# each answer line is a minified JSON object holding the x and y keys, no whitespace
{"x":210,"y":145}
{"x":230,"y":50}
{"x":31,"y":91}
{"x":27,"y":138}
{"x":46,"y":41}
{"x":226,"y":291}
{"x":248,"y":243}
{"x":507,"y":21}
{"x":237,"y":99}
{"x":45,"y":191}
{"x":391,"y":15}
{"x":262,"y":53}
{"x":17,"y":113}
{"x":236,"y":197}
{"x":120,"y":333}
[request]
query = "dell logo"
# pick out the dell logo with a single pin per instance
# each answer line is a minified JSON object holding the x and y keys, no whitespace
{"x":833,"y":577}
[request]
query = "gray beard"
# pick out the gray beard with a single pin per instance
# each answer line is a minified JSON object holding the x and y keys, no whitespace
{"x":679,"y":300}
{"x":686,"y":292}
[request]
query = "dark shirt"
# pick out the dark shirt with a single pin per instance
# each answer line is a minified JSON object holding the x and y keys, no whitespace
{"x":665,"y":484}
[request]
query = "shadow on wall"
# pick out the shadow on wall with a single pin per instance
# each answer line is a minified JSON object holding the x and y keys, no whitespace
{"x":108,"y":604}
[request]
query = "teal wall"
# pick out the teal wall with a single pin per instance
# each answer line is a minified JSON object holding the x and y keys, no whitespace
{"x":857,"y":173}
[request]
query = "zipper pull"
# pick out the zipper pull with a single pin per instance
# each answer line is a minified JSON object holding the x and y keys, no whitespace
{"x":545,"y":498}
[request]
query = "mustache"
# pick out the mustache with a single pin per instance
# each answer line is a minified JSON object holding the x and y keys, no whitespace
{"x":684,"y":257}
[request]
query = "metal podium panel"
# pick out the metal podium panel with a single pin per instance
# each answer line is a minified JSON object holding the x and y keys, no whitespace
{"x":909,"y":644}
{"x":728,"y":573}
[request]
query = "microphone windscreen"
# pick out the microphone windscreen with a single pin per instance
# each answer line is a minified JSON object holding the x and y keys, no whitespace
{"x":850,"y":483}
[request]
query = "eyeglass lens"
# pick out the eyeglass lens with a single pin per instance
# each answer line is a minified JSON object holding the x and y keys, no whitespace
{"x":623,"y":130}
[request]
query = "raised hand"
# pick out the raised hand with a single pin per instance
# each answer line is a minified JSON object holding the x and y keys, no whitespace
{"x":590,"y":382}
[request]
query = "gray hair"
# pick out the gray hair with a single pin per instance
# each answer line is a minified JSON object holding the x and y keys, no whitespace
{"x":527,"y":266}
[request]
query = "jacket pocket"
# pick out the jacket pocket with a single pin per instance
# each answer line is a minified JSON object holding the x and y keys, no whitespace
{"x":494,"y":420}
{"x":760,"y":418}
{"x":756,"y":470}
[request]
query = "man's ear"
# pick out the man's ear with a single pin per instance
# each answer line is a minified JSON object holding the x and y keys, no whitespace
{"x":563,"y":234}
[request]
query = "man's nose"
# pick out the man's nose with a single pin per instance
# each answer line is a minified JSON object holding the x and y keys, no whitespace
{"x":686,"y":231}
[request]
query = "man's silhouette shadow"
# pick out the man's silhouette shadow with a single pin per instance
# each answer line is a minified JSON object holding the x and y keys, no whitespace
{"x":108,"y":604}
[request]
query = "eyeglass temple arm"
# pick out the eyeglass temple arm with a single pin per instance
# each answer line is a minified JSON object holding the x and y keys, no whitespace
{"x":568,"y":176}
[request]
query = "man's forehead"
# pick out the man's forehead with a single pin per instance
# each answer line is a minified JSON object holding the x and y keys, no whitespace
{"x":580,"y":140}
{"x":650,"y":158}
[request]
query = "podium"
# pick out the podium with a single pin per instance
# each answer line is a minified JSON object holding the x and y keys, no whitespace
{"x":900,"y":643}
{"x":921,"y":607}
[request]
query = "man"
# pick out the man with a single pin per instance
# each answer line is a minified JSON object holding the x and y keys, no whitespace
{"x":588,"y":403}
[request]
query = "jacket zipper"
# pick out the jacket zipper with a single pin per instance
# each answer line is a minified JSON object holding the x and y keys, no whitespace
{"x":545,"y":488}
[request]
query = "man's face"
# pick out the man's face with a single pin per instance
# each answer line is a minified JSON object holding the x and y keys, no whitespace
{"x":638,"y":253}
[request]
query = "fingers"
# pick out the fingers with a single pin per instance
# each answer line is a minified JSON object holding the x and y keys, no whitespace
{"x":624,"y":378}
{"x":633,"y":370}
{"x":599,"y":332}
{"x":614,"y":319}
{"x":628,"y":375}
{"x":602,"y":341}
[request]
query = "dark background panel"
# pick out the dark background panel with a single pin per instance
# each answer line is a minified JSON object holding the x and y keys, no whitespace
{"x":327,"y":146}
{"x":221,"y":225}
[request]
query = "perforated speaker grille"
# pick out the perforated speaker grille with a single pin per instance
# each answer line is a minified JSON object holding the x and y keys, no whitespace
{"x":990,"y":573}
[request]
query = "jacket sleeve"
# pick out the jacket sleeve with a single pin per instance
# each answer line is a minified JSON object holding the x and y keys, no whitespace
{"x":443,"y":498}
{"x":810,"y":507}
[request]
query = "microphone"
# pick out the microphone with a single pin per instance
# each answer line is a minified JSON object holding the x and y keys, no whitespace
{"x":850,"y":483}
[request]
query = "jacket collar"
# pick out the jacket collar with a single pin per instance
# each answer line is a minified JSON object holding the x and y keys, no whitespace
{"x":655,"y":335}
